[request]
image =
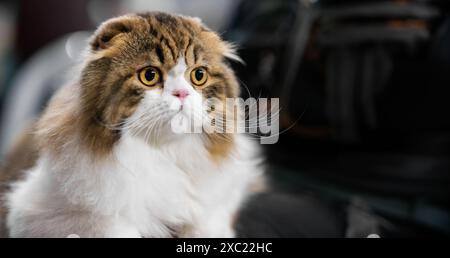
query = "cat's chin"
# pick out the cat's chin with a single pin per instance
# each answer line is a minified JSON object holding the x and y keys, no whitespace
{"x":164,"y":137}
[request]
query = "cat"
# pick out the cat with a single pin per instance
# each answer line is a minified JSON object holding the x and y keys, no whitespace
{"x":103,"y":158}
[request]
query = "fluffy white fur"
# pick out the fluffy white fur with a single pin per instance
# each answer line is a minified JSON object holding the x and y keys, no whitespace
{"x":147,"y":188}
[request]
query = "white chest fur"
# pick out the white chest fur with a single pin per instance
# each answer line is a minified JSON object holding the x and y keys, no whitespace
{"x":141,"y":191}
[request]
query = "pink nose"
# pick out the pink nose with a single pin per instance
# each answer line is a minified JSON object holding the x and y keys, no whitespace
{"x":181,"y":94}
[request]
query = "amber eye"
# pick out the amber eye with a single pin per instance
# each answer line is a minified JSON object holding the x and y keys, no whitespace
{"x":150,"y":76}
{"x":199,"y":76}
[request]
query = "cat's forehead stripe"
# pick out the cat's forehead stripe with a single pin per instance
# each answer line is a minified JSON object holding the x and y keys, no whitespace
{"x":160,"y":54}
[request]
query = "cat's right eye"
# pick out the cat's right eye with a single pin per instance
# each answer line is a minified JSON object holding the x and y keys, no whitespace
{"x":150,"y":76}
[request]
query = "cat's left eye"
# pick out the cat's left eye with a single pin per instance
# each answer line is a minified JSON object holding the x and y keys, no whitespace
{"x":150,"y":76}
{"x":199,"y":76}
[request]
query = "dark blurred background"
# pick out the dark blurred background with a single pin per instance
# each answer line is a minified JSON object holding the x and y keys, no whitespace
{"x":364,"y":88}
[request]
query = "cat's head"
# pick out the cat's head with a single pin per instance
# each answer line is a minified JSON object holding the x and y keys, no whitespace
{"x":148,"y":74}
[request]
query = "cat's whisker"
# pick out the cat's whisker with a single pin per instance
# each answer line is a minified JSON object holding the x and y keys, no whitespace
{"x":246,"y":124}
{"x":123,"y":124}
{"x":142,"y":119}
{"x":151,"y":126}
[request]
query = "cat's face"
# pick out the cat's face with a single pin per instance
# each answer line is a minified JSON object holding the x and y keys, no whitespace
{"x":149,"y":74}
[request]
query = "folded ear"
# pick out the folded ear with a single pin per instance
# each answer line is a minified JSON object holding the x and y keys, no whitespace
{"x":103,"y":37}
